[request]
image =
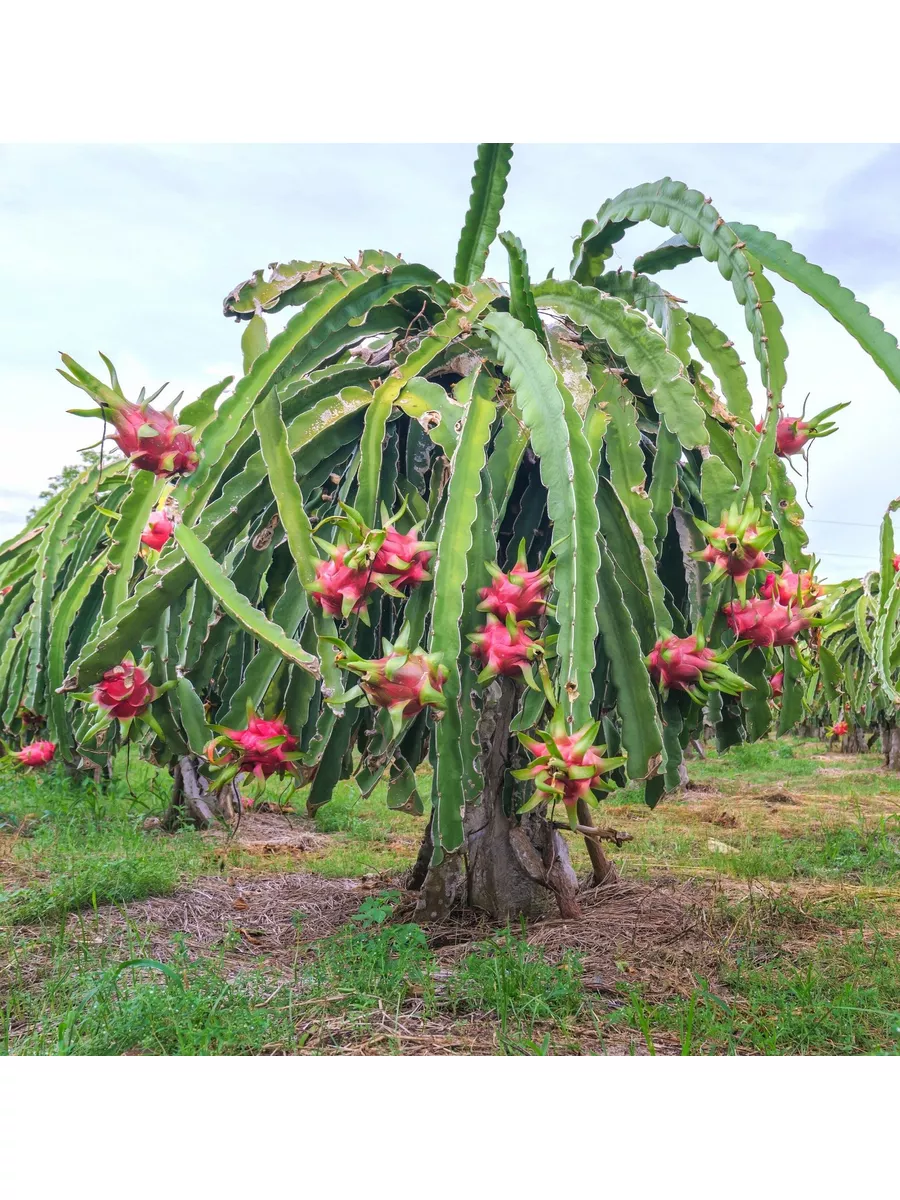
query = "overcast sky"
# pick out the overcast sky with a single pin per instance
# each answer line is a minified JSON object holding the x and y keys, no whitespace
{"x":131,"y":249}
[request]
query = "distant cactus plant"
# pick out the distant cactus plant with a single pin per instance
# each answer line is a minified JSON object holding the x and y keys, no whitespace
{"x":421,"y":497}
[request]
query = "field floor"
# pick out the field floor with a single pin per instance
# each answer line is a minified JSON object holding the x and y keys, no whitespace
{"x":757,"y":913}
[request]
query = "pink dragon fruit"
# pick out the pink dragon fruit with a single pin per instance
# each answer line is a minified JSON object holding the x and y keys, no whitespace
{"x":687,"y":665}
{"x":504,"y":648}
{"x":896,"y":563}
{"x":264,"y":748}
{"x":125,"y":691}
{"x":402,"y":681}
{"x":401,"y":560}
{"x":520,"y":594}
{"x":340,"y":589}
{"x":766,"y":622}
{"x":37,"y":754}
{"x":839,"y":728}
{"x":393,"y":559}
{"x":566,"y":767}
{"x":792,"y":433}
{"x":153,"y":440}
{"x":776,"y":683}
{"x":158,"y":530}
{"x":737,"y":545}
{"x":791,"y":588}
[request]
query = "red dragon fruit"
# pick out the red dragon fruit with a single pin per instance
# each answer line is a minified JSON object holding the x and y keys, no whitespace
{"x":153,"y":440}
{"x":896,"y":564}
{"x":125,"y":691}
{"x":791,"y":588}
{"x":686,"y":665}
{"x":402,"y":681}
{"x":737,"y":545}
{"x":393,"y":559}
{"x":792,"y":433}
{"x":766,"y":622}
{"x":264,"y":748}
{"x":37,"y":754}
{"x":504,"y":648}
{"x":520,"y":594}
{"x":401,"y":560}
{"x":839,"y":728}
{"x":159,"y":529}
{"x":566,"y":766}
{"x":340,"y":589}
{"x":776,"y":683}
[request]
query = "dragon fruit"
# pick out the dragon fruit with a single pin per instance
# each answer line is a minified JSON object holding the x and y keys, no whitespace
{"x":792,"y":433}
{"x":341,"y":589}
{"x":767,"y":622}
{"x":520,"y":594}
{"x":37,"y":754}
{"x":896,"y":563}
{"x":839,"y":728}
{"x":401,"y":559}
{"x":504,"y":648}
{"x":264,"y":748}
{"x":791,"y":588}
{"x":159,"y":529}
{"x":566,"y":766}
{"x":392,"y":559}
{"x":687,"y":665}
{"x":125,"y":691}
{"x":776,"y":683}
{"x":402,"y":681}
{"x":737,"y":545}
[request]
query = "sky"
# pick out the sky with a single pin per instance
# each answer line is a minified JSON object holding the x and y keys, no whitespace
{"x":131,"y":249}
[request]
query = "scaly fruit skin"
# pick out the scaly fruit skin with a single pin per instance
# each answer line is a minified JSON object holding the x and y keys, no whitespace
{"x":341,"y":590}
{"x":125,"y":691}
{"x":793,"y":433}
{"x":566,"y":767}
{"x":261,"y":749}
{"x":166,"y":452}
{"x":158,"y":530}
{"x":897,"y":562}
{"x":737,"y":545}
{"x":791,"y":588}
{"x":402,"y":559}
{"x":766,"y":623}
{"x":839,"y":728}
{"x":776,"y":683}
{"x":686,"y":665}
{"x":402,"y":681}
{"x":502,"y":650}
{"x":521,"y":594}
{"x":37,"y":754}
{"x":394,"y":560}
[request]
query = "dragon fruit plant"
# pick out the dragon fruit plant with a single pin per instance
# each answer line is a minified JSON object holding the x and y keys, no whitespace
{"x":857,"y":674}
{"x":338,"y":504}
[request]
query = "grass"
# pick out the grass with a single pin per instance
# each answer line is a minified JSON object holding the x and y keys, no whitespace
{"x":804,"y":913}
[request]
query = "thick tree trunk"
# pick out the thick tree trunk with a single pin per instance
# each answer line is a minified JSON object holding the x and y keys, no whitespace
{"x":509,"y":866}
{"x":892,"y":747}
{"x":192,"y":798}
